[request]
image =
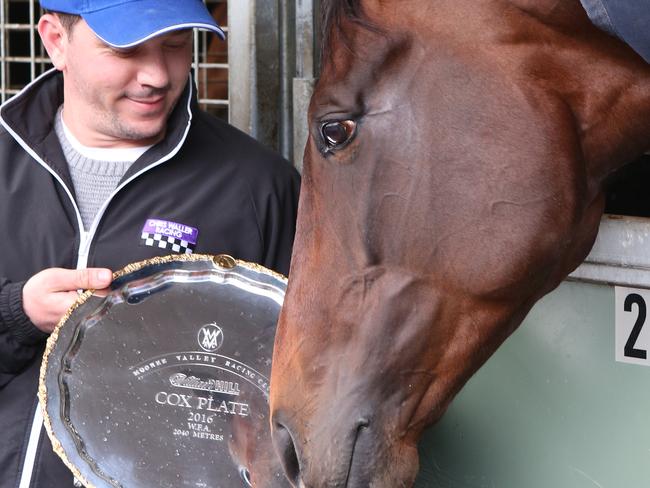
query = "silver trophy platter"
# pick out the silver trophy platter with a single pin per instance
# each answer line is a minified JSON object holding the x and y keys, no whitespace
{"x":163,"y":379}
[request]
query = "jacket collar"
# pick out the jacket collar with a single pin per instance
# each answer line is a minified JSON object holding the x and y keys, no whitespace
{"x":29,"y":117}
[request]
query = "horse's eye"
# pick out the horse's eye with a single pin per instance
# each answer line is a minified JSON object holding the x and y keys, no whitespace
{"x":338,"y":132}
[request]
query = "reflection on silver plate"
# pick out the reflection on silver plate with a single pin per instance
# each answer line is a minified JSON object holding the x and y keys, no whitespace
{"x":164,"y":380}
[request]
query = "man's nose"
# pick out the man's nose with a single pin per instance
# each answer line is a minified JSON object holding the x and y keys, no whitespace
{"x":153,"y":70}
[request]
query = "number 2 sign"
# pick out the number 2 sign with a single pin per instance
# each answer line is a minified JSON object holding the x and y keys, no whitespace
{"x":632,"y":334}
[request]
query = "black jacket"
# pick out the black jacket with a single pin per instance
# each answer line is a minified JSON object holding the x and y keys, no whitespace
{"x":205,"y":174}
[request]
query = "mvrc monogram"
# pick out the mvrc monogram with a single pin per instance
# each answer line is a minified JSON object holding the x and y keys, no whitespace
{"x":210,"y":337}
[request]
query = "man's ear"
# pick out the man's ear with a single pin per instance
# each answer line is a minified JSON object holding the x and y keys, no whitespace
{"x":55,"y":39}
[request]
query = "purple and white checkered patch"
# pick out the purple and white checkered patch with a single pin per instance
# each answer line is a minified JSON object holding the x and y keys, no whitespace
{"x":168,"y":235}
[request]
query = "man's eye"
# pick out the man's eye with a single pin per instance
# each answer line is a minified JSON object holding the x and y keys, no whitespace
{"x":179,"y":40}
{"x":338,"y":132}
{"x":124,"y":53}
{"x":177,"y":45}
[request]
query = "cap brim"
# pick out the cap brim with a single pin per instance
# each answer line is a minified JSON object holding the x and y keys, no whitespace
{"x":129,"y":24}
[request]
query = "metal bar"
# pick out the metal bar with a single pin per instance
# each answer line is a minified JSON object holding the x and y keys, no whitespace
{"x":212,"y":101}
{"x":32,"y":42}
{"x":302,"y":91}
{"x":17,"y":27}
{"x":3,"y":68}
{"x":267,"y":76}
{"x":243,"y":69}
{"x":214,"y":65}
{"x":304,"y":39}
{"x":202,"y":78}
{"x":25,"y":59}
{"x":287,"y":71}
{"x":195,"y":50}
{"x":303,"y":83}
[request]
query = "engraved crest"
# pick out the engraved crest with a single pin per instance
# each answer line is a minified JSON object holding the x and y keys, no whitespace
{"x":210,"y":337}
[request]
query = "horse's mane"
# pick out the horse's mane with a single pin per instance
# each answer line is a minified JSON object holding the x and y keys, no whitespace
{"x":333,"y":12}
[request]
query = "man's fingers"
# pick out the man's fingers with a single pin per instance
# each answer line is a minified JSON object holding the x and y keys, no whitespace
{"x":93,"y":278}
{"x":59,"y":279}
{"x":48,"y":294}
{"x":61,"y":302}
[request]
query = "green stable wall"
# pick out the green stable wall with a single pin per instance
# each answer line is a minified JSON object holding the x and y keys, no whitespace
{"x":551,"y":409}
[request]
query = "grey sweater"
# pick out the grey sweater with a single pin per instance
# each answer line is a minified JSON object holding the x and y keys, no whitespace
{"x":93,"y":180}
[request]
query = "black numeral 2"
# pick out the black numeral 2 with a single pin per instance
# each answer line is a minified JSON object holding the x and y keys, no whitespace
{"x":630,"y":350}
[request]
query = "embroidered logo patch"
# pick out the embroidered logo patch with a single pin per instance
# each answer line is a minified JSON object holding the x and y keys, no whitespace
{"x":164,"y":234}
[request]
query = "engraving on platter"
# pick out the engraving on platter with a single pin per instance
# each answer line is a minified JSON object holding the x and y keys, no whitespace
{"x":201,"y":403}
{"x":208,"y":404}
{"x":201,"y":414}
{"x":218,"y":386}
{"x":210,"y":337}
{"x":217,"y":361}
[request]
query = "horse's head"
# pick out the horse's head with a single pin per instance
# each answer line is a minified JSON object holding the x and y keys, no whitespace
{"x":452,"y":177}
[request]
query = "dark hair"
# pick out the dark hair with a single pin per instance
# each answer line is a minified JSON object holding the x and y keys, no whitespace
{"x":67,"y":20}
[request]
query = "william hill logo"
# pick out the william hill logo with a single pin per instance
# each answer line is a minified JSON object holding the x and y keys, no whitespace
{"x":210,"y":337}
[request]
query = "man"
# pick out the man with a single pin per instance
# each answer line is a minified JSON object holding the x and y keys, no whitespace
{"x":98,"y":158}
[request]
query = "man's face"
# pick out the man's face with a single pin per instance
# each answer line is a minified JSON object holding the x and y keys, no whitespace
{"x":122,"y":97}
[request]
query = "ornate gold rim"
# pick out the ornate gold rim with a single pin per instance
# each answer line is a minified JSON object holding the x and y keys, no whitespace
{"x":223,"y":261}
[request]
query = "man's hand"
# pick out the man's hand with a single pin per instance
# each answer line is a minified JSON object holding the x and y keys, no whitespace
{"x":48,"y":294}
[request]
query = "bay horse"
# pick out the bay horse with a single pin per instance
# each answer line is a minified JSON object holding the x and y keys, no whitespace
{"x":454,"y":174}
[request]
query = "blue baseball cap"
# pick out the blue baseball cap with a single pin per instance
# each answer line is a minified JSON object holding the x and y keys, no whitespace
{"x":126,"y":23}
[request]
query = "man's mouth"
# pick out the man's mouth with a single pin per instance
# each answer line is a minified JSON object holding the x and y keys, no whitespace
{"x":147,"y":104}
{"x":147,"y":100}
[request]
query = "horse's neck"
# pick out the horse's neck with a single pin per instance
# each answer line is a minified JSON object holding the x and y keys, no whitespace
{"x":606,"y":84}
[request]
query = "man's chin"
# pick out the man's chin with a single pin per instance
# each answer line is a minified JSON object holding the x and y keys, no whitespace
{"x":142,"y":134}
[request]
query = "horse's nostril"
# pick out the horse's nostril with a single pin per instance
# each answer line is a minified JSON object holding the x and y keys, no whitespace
{"x":286,"y":449}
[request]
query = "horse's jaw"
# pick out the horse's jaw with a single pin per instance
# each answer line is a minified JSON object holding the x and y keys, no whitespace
{"x":355,"y":405}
